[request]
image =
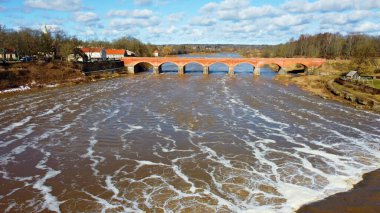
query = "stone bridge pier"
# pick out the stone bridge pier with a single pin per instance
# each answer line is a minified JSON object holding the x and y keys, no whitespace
{"x":282,"y":63}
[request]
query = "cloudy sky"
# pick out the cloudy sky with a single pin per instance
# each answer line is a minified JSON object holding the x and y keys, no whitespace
{"x":195,"y":21}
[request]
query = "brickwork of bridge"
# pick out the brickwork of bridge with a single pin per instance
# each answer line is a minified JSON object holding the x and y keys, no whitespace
{"x":283,"y":63}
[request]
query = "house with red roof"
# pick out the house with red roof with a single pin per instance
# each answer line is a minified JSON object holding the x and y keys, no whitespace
{"x":95,"y":53}
{"x":117,"y":54}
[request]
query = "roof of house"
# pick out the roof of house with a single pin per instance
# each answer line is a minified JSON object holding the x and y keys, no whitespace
{"x":91,"y":49}
{"x":115,"y":51}
{"x":7,"y":50}
{"x":351,"y":73}
{"x":156,"y":51}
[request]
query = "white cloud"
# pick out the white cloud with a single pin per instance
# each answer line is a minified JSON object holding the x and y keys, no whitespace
{"x":234,"y":4}
{"x":238,"y":10}
{"x":176,"y":17}
{"x":209,"y":7}
{"x":133,"y":22}
{"x":346,"y":18}
{"x":330,"y":5}
{"x":134,"y":13}
{"x":367,"y":27}
{"x":203,"y":21}
{"x":61,"y":5}
{"x":85,"y":17}
{"x":159,"y":30}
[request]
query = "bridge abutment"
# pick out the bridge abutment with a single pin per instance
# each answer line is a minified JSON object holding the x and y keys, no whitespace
{"x":156,"y":70}
{"x":131,"y":69}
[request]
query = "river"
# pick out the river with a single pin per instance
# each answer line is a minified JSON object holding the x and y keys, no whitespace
{"x":172,"y":143}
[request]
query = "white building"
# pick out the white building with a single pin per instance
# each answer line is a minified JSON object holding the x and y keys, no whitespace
{"x":117,"y":54}
{"x":95,"y":54}
{"x":155,"y":53}
{"x":8,"y":54}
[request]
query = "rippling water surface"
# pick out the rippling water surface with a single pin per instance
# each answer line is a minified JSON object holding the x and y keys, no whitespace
{"x":173,"y":143}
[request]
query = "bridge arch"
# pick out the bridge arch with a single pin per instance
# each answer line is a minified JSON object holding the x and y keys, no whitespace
{"x":219,"y":67}
{"x":143,"y":67}
{"x":168,"y":67}
{"x":244,"y":67}
{"x":275,"y":67}
{"x":298,"y":68}
{"x":193,"y":67}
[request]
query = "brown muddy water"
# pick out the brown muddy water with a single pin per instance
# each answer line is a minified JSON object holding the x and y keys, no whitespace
{"x":168,"y":143}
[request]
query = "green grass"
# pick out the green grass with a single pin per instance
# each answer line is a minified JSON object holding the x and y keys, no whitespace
{"x":376,"y":83}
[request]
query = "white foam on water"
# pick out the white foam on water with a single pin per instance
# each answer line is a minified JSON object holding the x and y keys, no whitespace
{"x":178,"y":171}
{"x":134,"y":127}
{"x":15,"y":125}
{"x":50,"y":201}
{"x":50,"y":111}
{"x":296,"y":196}
{"x":6,"y":158}
{"x":10,"y":207}
{"x":111,"y":187}
{"x":91,"y":156}
{"x":109,"y":206}
{"x":20,"y":135}
{"x":141,"y":163}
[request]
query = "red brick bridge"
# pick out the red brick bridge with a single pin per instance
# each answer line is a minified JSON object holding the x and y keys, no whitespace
{"x":282,"y":63}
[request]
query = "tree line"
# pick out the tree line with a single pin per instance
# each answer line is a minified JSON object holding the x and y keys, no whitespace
{"x":328,"y":45}
{"x":31,"y":42}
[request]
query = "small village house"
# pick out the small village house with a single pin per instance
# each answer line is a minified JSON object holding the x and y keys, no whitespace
{"x":352,"y":75}
{"x":117,"y":54}
{"x":95,"y":54}
{"x":8,"y":54}
{"x":155,"y":53}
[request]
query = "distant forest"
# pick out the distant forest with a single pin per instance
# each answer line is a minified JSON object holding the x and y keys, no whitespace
{"x":328,"y":45}
{"x":362,"y":50}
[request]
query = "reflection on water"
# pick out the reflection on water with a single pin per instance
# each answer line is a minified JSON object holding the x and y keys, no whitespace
{"x":172,"y":143}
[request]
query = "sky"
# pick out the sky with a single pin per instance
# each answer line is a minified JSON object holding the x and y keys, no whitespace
{"x":194,"y":21}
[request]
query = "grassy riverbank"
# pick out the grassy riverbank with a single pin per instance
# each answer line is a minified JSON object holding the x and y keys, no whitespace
{"x":316,"y":82}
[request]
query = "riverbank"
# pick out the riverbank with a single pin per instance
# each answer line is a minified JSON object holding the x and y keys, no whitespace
{"x":364,"y":197}
{"x":321,"y":83}
{"x":30,"y":77}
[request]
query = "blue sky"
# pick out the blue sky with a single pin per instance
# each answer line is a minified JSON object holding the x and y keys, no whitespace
{"x":194,"y":21}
